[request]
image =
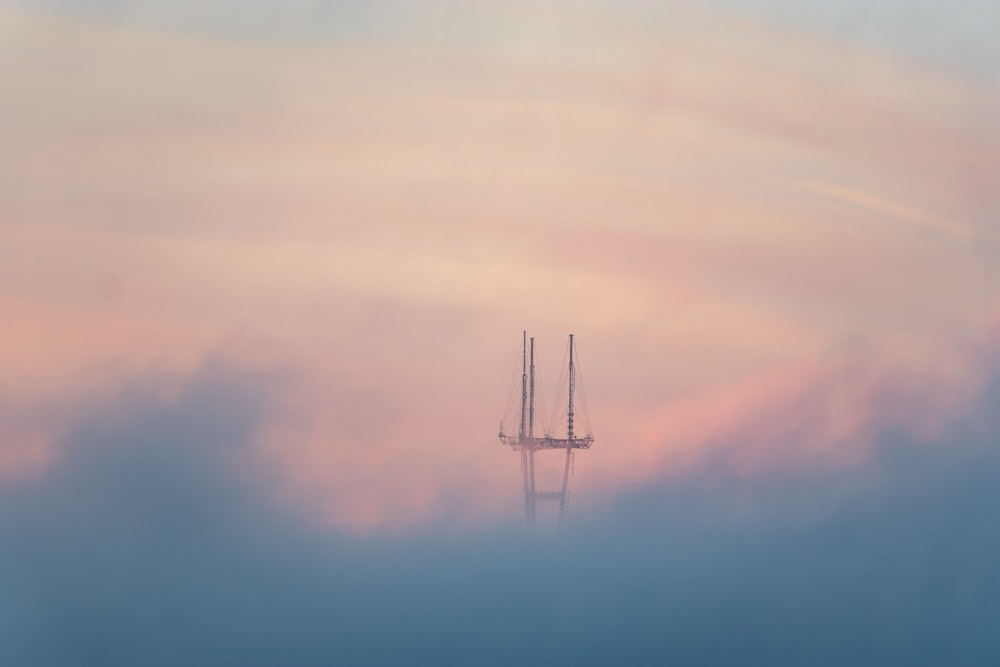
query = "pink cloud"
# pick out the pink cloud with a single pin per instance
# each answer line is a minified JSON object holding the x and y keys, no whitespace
{"x":388,"y":220}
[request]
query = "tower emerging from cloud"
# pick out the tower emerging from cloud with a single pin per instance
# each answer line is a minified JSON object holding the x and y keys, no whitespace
{"x":528,"y":444}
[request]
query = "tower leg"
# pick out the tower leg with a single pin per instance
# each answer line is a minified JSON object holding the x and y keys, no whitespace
{"x":531,"y":474}
{"x":527,"y":486}
{"x":564,"y":496}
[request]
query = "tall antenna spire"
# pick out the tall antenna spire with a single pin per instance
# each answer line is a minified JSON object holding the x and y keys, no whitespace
{"x":531,"y":393}
{"x":572,"y":390}
{"x":524,"y":383}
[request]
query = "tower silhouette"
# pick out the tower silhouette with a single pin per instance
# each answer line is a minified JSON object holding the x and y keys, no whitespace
{"x":529,"y":445}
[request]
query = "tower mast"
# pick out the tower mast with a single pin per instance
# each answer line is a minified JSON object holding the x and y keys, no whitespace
{"x":524,"y":383}
{"x":520,"y":434}
{"x":527,"y":443}
{"x":531,"y":393}
{"x":572,"y":390}
{"x":564,"y":495}
{"x":531,"y":439}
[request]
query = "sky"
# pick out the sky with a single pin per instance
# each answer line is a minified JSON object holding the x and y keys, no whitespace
{"x":264,"y":272}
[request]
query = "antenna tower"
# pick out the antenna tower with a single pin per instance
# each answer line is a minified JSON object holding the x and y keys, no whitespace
{"x":528,"y":445}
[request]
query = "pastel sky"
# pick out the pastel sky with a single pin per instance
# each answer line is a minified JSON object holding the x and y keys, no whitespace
{"x":771,"y":225}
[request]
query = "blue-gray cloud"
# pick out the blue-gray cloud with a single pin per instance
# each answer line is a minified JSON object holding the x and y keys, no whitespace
{"x":148,"y":542}
{"x":950,"y":33}
{"x":958,"y":34}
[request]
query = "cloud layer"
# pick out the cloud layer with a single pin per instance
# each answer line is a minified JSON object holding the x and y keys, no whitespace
{"x":157,"y":539}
